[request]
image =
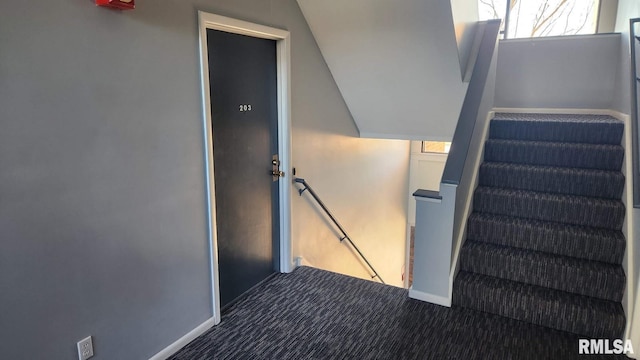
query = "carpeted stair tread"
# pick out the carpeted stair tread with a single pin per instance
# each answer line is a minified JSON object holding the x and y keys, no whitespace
{"x":575,"y":155}
{"x":581,"y":242}
{"x":583,"y":315}
{"x":559,"y":180}
{"x":544,"y":241}
{"x":593,"y":129}
{"x":590,"y":278}
{"x":569,"y":209}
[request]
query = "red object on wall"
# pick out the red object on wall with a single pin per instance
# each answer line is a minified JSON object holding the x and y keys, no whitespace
{"x":118,"y":4}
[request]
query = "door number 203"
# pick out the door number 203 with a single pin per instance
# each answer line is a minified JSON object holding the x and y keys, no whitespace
{"x":245,"y":107}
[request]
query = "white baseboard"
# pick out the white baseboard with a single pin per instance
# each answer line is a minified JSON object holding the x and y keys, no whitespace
{"x":552,"y":111}
{"x":303,"y":261}
{"x":629,"y":301}
{"x":430,"y":298}
{"x":180,"y":343}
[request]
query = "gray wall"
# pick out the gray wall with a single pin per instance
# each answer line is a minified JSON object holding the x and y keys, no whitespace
{"x":627,"y":9}
{"x":465,"y":18}
{"x":558,"y":72}
{"x":607,"y":16}
{"x":102,"y":202}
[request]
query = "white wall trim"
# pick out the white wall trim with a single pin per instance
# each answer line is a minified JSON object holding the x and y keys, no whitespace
{"x":428,"y":199}
{"x":183,"y":341}
{"x":430,"y":298}
{"x":559,"y":37}
{"x":468,"y":202}
{"x":630,"y":295}
{"x":235,"y":26}
{"x":552,"y":111}
{"x":283,"y":39}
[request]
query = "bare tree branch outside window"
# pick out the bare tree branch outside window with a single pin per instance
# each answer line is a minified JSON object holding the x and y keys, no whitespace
{"x":535,"y":18}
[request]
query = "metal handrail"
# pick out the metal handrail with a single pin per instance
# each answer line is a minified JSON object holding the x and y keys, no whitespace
{"x":345,"y":236}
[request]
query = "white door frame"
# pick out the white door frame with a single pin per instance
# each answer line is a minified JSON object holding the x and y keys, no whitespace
{"x":283,"y":40}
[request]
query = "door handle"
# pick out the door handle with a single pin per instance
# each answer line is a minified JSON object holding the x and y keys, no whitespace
{"x":275,"y":171}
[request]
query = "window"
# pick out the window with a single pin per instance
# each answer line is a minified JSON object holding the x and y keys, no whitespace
{"x":537,"y":18}
{"x":439,"y":147}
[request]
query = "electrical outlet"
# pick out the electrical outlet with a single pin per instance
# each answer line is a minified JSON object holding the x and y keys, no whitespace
{"x":85,"y":348}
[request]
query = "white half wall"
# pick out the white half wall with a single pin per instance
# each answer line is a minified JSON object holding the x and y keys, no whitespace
{"x":395,"y":63}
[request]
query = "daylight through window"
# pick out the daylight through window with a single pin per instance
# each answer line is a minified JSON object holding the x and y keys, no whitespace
{"x":439,"y":147}
{"x":537,"y":18}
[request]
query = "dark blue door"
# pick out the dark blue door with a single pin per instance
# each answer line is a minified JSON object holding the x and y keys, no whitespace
{"x":244,"y":113}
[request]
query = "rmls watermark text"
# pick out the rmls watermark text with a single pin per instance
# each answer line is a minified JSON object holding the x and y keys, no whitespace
{"x":604,"y":346}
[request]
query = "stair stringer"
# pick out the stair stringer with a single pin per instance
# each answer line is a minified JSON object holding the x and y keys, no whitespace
{"x":459,"y":240}
{"x":629,"y":303}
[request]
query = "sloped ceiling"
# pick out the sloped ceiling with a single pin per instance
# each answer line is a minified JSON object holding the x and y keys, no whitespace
{"x":395,"y":62}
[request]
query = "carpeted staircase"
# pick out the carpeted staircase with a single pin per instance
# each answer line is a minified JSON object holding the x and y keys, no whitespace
{"x":544,"y":242}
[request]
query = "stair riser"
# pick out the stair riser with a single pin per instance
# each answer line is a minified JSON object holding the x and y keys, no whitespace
{"x":577,"y":182}
{"x":575,"y":132}
{"x":554,"y":275}
{"x":598,"y":245}
{"x":586,"y":212}
{"x":554,"y":154}
{"x":541,"y":309}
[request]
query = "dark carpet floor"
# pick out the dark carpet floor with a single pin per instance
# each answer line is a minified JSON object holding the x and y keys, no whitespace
{"x":315,"y":314}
